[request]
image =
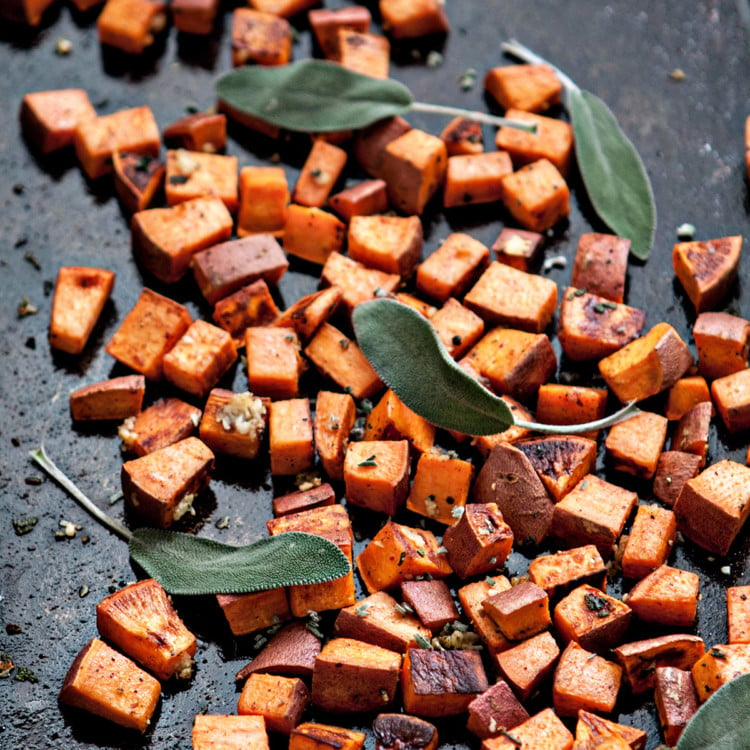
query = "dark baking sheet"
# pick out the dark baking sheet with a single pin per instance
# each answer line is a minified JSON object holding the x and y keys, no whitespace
{"x":689,"y":133}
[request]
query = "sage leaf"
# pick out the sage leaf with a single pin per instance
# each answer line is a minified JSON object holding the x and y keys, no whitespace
{"x":189,"y":565}
{"x":723,"y":721}
{"x":312,"y":96}
{"x":612,"y":171}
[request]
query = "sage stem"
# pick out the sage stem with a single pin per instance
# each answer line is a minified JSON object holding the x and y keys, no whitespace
{"x":522,"y":52}
{"x":487,"y":119}
{"x":573,"y":429}
{"x":40,"y":457}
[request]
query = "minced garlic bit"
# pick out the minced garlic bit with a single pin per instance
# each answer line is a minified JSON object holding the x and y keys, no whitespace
{"x":516,"y":245}
{"x":126,"y":433}
{"x":431,"y":506}
{"x":556,"y":261}
{"x":307,"y":480}
{"x":185,"y":163}
{"x":184,"y":506}
{"x":685,"y":231}
{"x":243,"y":413}
{"x":63,"y":46}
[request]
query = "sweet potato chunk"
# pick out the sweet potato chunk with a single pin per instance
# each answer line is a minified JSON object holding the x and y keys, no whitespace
{"x":495,"y":710}
{"x":738,"y":614}
{"x":672,"y":471}
{"x":635,"y":444}
{"x":291,"y":651}
{"x":562,"y":571}
{"x":274,"y":364}
{"x":691,"y":434}
{"x":194,"y":174}
{"x":601,"y":264}
{"x":393,"y":731}
{"x":536,"y":196}
{"x":676,"y":701}
{"x":593,"y":731}
{"x":370,"y":143}
{"x":49,"y":118}
{"x":720,"y":665}
{"x":326,"y":22}
{"x":248,"y":613}
{"x":518,"y":248}
{"x":308,"y":313}
{"x":260,"y":37}
{"x":431,"y":601}
{"x":319,"y":174}
{"x":542,"y":730}
{"x":364,"y":199}
{"x":312,"y":234}
{"x":667,"y":595}
{"x":685,"y":394}
{"x":131,"y":25}
{"x":376,"y":474}
{"x":364,"y":52}
{"x":441,"y":483}
{"x":649,"y":542}
{"x":472,"y":597}
{"x":389,"y":243}
{"x":357,"y":282}
{"x":407,"y":19}
{"x":291,"y":436}
{"x":137,"y":179}
{"x":532,"y":88}
{"x":722,"y":341}
{"x":281,"y":701}
{"x":475,"y":178}
{"x":521,"y":611}
{"x":335,"y":414}
{"x":314,"y":736}
{"x":463,"y":136}
{"x":391,"y":419}
{"x":233,"y":732}
{"x":251,"y":305}
{"x":264,"y":197}
{"x":165,"y":422}
{"x":118,"y":398}
{"x":527,"y":665}
{"x":731,"y":394}
{"x":234,"y":423}
{"x":200,"y":131}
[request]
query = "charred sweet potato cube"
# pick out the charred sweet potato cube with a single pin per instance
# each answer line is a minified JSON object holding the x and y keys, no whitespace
{"x":591,"y":327}
{"x":713,"y":507}
{"x":319,"y":174}
{"x":475,"y":178}
{"x":200,"y":131}
{"x":251,"y":305}
{"x":379,"y":619}
{"x":364,"y":52}
{"x":593,"y":512}
{"x":364,"y":199}
{"x":536,"y":196}
{"x":389,"y":243}
{"x":391,"y":419}
{"x":508,"y":479}
{"x":165,"y":239}
{"x":431,"y":601}
{"x":200,"y":358}
{"x":521,"y":612}
{"x":640,"y":659}
{"x":117,"y":398}
{"x":339,"y":358}
{"x":96,"y":139}
{"x":162,"y":498}
{"x":407,"y":19}
{"x":413,"y":167}
{"x":195,"y":174}
{"x":248,"y":613}
{"x":281,"y":701}
{"x":357,"y":282}
{"x":351,"y":675}
{"x":308,"y":313}
{"x":720,"y":665}
{"x":274,"y":364}
{"x":335,"y":414}
{"x":685,"y":394}
{"x":314,"y":736}
{"x":731,"y":394}
{"x":528,"y":664}
{"x":463,"y":135}
{"x":672,"y":471}
{"x":706,"y":270}
{"x":441,"y":483}
{"x":593,"y":731}
{"x":601,"y":264}
{"x":228,"y":266}
{"x":495,"y":710}
{"x":479,"y":542}
{"x":104,"y":682}
{"x":648,"y":365}
{"x":312,"y":234}
{"x":542,"y":730}
{"x":140,"y":620}
{"x":400,"y":553}
{"x":80,"y":295}
{"x":165,"y":422}
{"x":291,"y":436}
{"x":299,"y":500}
{"x":531,"y":88}
{"x":592,"y":618}
{"x":393,"y":731}
{"x":137,"y":179}
{"x":264,"y":197}
{"x":518,"y":248}
{"x":451,"y":269}
{"x":738,"y":614}
{"x":376,"y":474}
{"x":649,"y":542}
{"x":635,"y":444}
{"x":506,"y":296}
{"x":49,"y":118}
{"x":585,"y":681}
{"x":562,"y":571}
{"x":234,"y":423}
{"x":676,"y":701}
{"x":230,"y":732}
{"x":326,"y":22}
{"x":290,"y":651}
{"x":472,"y":597}
{"x":691,"y":433}
{"x":722,"y":341}
{"x":131,"y":25}
{"x":441,"y":683}
{"x":552,"y":140}
{"x":667,"y":595}
{"x":260,"y":37}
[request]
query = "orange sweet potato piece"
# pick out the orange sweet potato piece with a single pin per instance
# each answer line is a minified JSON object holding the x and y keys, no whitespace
{"x":229,"y":732}
{"x":364,"y":199}
{"x":593,"y":731}
{"x":667,"y":595}
{"x":532,"y":88}
{"x":364,"y":52}
{"x":457,"y":327}
{"x":335,"y":414}
{"x":536,"y":196}
{"x":720,"y":665}
{"x":281,"y":701}
{"x":441,"y":483}
{"x":312,"y":234}
{"x":570,"y":404}
{"x":676,"y":701}
{"x":685,"y":394}
{"x":738,"y":614}
{"x":195,"y":174}
{"x":376,"y":474}
{"x":194,"y":16}
{"x":200,"y":131}
{"x":396,"y":730}
{"x":369,"y":143}
{"x":326,"y":22}
{"x":291,"y":651}
{"x":165,"y":422}
{"x":543,"y":730}
{"x":634,"y":445}
{"x":389,"y":243}
{"x":319,"y":174}
{"x":314,"y":736}
{"x":463,"y":136}
{"x":407,"y":19}
{"x":49,"y":118}
{"x":234,"y":423}
{"x":117,"y":398}
{"x":131,"y":25}
{"x":357,"y":282}
{"x":528,"y":664}
{"x":494,"y":711}
{"x":562,"y":571}
{"x":431,"y":601}
{"x":475,"y":178}
{"x":308,"y":313}
{"x":137,"y":179}
{"x":672,"y":471}
{"x":304,"y":499}
{"x":472,"y":597}
{"x":722,"y":341}
{"x":260,"y":37}
{"x":518,"y":248}
{"x":291,"y":436}
{"x":731,"y":395}
{"x":391,"y":419}
{"x":29,"y":12}
{"x":105,"y":683}
{"x":521,"y":612}
{"x":249,"y":613}
{"x":691,"y":433}
{"x":274,"y":364}
{"x":649,"y":542}
{"x":601,"y":264}
{"x":252,"y":305}
{"x":264,"y":197}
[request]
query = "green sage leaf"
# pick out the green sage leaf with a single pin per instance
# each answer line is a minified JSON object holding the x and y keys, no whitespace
{"x":723,"y":721}
{"x":612,"y":171}
{"x":312,"y":96}
{"x":190,"y":565}
{"x":407,"y":354}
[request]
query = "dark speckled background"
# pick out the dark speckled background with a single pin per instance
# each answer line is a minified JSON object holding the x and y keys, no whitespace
{"x":689,"y":133}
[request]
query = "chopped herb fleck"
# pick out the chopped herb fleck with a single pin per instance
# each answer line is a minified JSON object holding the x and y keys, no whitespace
{"x":422,"y":642}
{"x":24,"y":674}
{"x":178,"y":179}
{"x":344,"y":343}
{"x":598,"y":604}
{"x":24,"y":525}
{"x":369,"y":461}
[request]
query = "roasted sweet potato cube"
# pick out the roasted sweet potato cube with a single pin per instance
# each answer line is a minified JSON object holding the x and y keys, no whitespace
{"x":117,"y":398}
{"x":672,"y":471}
{"x":601,"y":264}
{"x":335,"y":414}
{"x":441,"y":683}
{"x":685,"y":394}
{"x":463,"y":135}
{"x":391,"y":419}
{"x":475,"y":178}
{"x":299,"y":500}
{"x":667,"y":595}
{"x":200,"y":131}
{"x":635,"y":444}
{"x":457,"y":327}
{"x":364,"y":52}
{"x":592,"y":618}
{"x":518,"y":248}
{"x":407,"y":19}
{"x":706,"y":270}
{"x":376,"y":474}
{"x":137,"y":179}
{"x":260,"y":37}
{"x":308,"y":313}
{"x":251,"y":305}
{"x":134,"y":130}
{"x":441,"y":483}
{"x":485,"y":443}
{"x":562,"y":571}
{"x":720,"y":665}
{"x":245,"y":120}
{"x":400,"y":553}
{"x":676,"y":701}
{"x":431,"y":601}
{"x":472,"y":597}
{"x":396,"y":730}
{"x":722,"y":341}
{"x":369,"y":143}
{"x":552,"y":140}
{"x":738,"y":614}
{"x":281,"y":701}
{"x":229,"y":732}
{"x":731,"y":394}
{"x":649,"y":542}
{"x":290,"y":651}
{"x":389,"y":243}
{"x":291,"y":436}
{"x":593,"y":512}
{"x":364,"y":199}
{"x":528,"y":664}
{"x":162,"y":498}
{"x":536,"y":196}
{"x":532,"y":88}
{"x":479,"y":542}
{"x":319,"y":174}
{"x":28,"y":12}
{"x":104,"y":682}
{"x":641,"y":659}
{"x":264,"y":197}
{"x":326,"y":22}
{"x":521,"y":612}
{"x":585,"y":681}
{"x":131,"y":25}
{"x":594,"y":731}
{"x":712,"y":508}
{"x":496,"y":710}
{"x":195,"y":174}
{"x":228,"y":266}
{"x":248,"y":613}
{"x":314,"y":736}
{"x":410,"y":300}
{"x":379,"y":619}
{"x":165,"y":239}
{"x":312,"y":234}
{"x":542,"y":730}
{"x":570,"y":404}
{"x":140,"y":620}
{"x":234,"y":423}
{"x":49,"y":118}
{"x":165,"y":422}
{"x":413,"y":167}
{"x":691,"y":433}
{"x":357,"y":282}
{"x":274,"y":364}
